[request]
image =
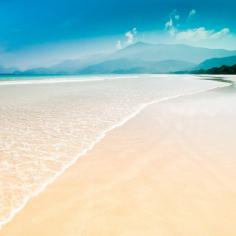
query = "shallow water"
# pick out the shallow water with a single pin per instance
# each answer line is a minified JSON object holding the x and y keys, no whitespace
{"x":48,"y":123}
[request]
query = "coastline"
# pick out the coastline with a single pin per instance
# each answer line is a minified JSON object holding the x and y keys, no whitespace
{"x":100,"y":136}
{"x":63,"y":185}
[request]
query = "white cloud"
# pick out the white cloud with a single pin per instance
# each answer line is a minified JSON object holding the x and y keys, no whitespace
{"x":193,"y":34}
{"x":200,"y":34}
{"x":220,"y":34}
{"x":118,"y":45}
{"x":170,"y":25}
{"x":134,"y":30}
{"x":130,"y":36}
{"x":172,"y":31}
{"x":192,"y":13}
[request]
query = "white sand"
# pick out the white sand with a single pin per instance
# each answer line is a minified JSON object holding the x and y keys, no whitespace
{"x":169,"y":171}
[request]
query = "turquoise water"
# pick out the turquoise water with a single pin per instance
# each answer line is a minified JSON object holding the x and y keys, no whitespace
{"x":38,"y":79}
{"x":23,"y":77}
{"x":33,"y":77}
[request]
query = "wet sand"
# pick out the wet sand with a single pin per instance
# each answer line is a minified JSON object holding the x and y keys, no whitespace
{"x":169,"y":171}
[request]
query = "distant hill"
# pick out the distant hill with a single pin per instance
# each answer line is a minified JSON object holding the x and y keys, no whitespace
{"x":161,"y":52}
{"x":217,"y":62}
{"x":128,"y":66}
{"x":67,"y":67}
{"x":138,"y":58}
{"x":4,"y":70}
{"x":227,"y":70}
{"x":154,"y":58}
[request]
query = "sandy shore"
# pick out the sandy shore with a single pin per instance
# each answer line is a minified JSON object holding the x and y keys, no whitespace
{"x":169,"y":171}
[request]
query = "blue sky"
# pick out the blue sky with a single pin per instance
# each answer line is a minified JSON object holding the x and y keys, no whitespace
{"x":44,"y":32}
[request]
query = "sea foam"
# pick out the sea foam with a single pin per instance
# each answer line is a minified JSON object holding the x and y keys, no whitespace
{"x":47,"y":125}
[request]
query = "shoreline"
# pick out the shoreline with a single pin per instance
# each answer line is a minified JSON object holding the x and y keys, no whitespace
{"x":98,"y":139}
{"x":170,"y":192}
{"x":104,"y":135}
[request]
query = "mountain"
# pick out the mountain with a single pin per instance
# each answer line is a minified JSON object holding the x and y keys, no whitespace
{"x":67,"y":67}
{"x":136,"y":66}
{"x":217,"y":62}
{"x":4,"y":70}
{"x":154,"y":58}
{"x":138,"y":58}
{"x":161,"y":52}
{"x":222,"y":70}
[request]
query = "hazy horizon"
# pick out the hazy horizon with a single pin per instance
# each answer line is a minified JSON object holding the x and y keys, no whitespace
{"x":94,"y":54}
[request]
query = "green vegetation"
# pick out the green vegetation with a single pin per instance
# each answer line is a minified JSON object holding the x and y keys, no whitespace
{"x":229,"y":70}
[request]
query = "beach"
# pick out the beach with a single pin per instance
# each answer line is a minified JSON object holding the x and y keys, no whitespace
{"x":168,"y":169}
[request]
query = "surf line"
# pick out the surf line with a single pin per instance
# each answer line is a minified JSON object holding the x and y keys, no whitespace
{"x":96,"y":141}
{"x":59,"y":81}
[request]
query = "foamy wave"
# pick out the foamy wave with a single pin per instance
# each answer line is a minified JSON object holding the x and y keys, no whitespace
{"x":54,"y":80}
{"x":125,"y":100}
{"x":80,"y":79}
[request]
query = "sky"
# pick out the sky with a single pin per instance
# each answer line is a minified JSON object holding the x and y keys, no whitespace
{"x":39,"y":33}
